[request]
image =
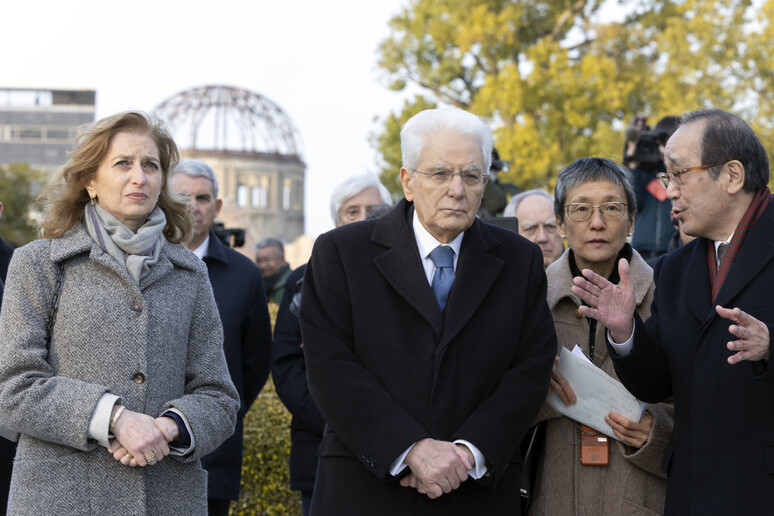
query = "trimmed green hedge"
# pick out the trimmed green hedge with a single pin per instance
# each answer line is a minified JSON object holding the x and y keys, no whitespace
{"x":265,"y":476}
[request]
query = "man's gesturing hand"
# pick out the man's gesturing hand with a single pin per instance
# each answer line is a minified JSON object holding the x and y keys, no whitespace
{"x":437,"y":467}
{"x":612,"y":305}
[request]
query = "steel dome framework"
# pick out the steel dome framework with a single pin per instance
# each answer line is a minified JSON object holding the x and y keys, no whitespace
{"x":219,"y":117}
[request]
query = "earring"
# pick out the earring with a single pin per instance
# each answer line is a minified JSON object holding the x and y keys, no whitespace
{"x":92,"y":201}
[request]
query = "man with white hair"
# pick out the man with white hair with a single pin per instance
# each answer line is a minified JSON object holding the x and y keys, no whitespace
{"x":534,"y":210}
{"x":351,"y":201}
{"x":429,"y":343}
{"x":354,"y":198}
{"x":239,"y":294}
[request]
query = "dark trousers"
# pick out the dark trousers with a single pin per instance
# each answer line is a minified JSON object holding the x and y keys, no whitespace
{"x":217,"y":507}
{"x":7,"y":452}
{"x":306,"y":501}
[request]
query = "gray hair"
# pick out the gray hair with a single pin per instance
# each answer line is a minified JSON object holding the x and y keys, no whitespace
{"x":271,"y":242}
{"x":513,"y":204}
{"x":585,"y":170}
{"x":197,"y":168}
{"x":419,"y":127}
{"x":352,"y":186}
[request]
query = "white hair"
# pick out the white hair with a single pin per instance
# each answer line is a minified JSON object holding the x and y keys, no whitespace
{"x":424,"y":124}
{"x":513,"y":204}
{"x":352,"y":186}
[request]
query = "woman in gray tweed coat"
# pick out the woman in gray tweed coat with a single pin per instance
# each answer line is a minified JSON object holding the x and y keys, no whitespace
{"x":118,"y":399}
{"x":595,"y":205}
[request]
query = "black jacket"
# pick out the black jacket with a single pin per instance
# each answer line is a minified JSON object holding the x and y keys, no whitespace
{"x":239,"y":294}
{"x":721,"y":456}
{"x":289,"y":374}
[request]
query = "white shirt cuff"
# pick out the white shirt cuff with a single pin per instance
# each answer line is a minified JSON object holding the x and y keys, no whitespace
{"x":399,"y":465}
{"x":625,"y":347}
{"x":177,"y":450}
{"x":99,"y":426}
{"x":479,"y":470}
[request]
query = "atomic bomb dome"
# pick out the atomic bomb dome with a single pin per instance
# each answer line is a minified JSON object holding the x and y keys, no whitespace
{"x":255,"y":151}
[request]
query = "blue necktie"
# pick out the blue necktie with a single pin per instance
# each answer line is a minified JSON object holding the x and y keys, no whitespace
{"x":443,"y":258}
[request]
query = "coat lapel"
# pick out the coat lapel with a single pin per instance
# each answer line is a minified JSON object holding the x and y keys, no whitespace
{"x":756,"y":252}
{"x":401,"y":264}
{"x":696,"y":285}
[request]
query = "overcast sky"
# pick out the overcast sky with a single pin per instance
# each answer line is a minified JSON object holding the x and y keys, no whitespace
{"x":316,"y":60}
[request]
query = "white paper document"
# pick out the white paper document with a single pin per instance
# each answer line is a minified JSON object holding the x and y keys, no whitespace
{"x":597,"y":392}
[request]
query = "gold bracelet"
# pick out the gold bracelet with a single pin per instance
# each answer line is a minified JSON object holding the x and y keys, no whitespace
{"x":116,"y":416}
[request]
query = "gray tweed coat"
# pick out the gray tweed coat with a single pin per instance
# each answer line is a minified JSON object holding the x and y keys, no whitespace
{"x":156,"y":347}
{"x":632,"y":482}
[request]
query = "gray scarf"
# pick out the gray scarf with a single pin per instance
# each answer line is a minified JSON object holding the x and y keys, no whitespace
{"x":135,"y":251}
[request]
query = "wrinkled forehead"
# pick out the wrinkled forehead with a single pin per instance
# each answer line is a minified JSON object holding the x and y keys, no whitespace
{"x":535,"y":208}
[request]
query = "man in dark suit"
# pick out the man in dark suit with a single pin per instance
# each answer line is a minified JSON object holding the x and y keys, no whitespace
{"x":7,"y":448}
{"x":352,"y":200}
{"x":5,"y":253}
{"x":427,"y":369}
{"x":707,"y":340}
{"x":239,"y":294}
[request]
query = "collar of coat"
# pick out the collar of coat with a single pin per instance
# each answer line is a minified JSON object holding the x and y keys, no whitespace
{"x":477,"y":269}
{"x":216,"y":249}
{"x":560,"y":279}
{"x":77,"y":241}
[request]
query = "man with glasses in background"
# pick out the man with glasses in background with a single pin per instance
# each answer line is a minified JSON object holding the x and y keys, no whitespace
{"x":534,"y":212}
{"x":707,"y":340}
{"x":428,"y":340}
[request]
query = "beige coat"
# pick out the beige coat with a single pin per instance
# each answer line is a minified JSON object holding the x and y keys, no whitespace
{"x":632,"y":482}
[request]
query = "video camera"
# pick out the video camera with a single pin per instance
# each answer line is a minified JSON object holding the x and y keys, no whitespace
{"x":232,"y":237}
{"x":499,"y":165}
{"x":648,"y":142}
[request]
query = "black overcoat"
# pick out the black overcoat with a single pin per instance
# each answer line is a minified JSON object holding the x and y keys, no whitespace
{"x":288,"y":372}
{"x":241,"y":299}
{"x":721,"y":456}
{"x":387,"y":368}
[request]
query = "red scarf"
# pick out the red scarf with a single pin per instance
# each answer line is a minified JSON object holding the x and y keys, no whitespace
{"x":718,"y":275}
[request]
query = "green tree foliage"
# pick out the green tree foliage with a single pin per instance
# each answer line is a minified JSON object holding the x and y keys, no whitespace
{"x":19,"y":185}
{"x":557,"y":80}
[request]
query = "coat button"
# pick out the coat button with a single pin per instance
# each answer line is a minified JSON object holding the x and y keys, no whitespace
{"x":578,"y":313}
{"x":137,"y":306}
{"x":139,"y":378}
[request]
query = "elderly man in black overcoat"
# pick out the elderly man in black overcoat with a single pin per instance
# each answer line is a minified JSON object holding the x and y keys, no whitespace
{"x":429,"y":343}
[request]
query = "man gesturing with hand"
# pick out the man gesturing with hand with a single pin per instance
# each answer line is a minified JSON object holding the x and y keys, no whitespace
{"x":707,"y":340}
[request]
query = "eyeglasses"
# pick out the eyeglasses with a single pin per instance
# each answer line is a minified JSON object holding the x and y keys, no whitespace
{"x":581,"y":211}
{"x":444,"y":177}
{"x":665,"y":178}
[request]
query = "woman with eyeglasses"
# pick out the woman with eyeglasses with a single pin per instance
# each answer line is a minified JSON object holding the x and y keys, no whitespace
{"x":595,"y":206}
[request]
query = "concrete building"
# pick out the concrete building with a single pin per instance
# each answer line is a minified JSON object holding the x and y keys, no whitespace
{"x":254,"y":150}
{"x":38,"y":126}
